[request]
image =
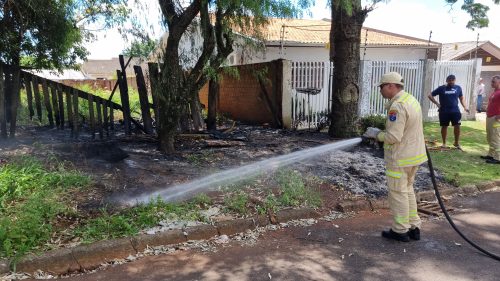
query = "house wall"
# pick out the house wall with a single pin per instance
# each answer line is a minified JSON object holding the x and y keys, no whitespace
{"x":243,"y":99}
{"x":320,"y":53}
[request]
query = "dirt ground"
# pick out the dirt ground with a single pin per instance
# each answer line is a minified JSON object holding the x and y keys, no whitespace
{"x":131,"y":165}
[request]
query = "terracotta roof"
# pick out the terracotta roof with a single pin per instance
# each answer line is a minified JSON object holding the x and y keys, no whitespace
{"x":106,"y":68}
{"x":451,"y":51}
{"x":318,"y":31}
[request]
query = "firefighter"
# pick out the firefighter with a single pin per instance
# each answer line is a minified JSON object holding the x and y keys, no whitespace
{"x":404,"y":151}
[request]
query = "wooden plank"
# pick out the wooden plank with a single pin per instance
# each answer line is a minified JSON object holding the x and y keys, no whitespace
{"x":143,"y":99}
{"x":46,"y":102}
{"x":125,"y":102}
{"x":111,"y":118}
{"x":60,"y":101}
{"x":99,"y":116}
{"x":29,"y":94}
{"x":3,"y":119}
{"x":16,"y":86}
{"x":55,"y":105}
{"x":76,"y":115}
{"x":105,"y":116}
{"x":69,"y":108}
{"x":153,"y":78}
{"x":91,"y":116}
{"x":38,"y":103}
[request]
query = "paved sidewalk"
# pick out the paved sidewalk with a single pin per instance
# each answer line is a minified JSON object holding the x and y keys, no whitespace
{"x":352,"y":251}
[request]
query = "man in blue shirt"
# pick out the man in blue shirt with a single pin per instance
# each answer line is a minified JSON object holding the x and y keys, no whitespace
{"x":449,"y":95}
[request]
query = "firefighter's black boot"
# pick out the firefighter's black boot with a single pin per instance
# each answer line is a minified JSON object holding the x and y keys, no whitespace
{"x":389,"y":234}
{"x":414,"y":233}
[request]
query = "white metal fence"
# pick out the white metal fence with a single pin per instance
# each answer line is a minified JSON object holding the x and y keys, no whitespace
{"x":312,"y":82}
{"x":311,"y":88}
{"x":463,"y":70}
{"x":412,"y":72}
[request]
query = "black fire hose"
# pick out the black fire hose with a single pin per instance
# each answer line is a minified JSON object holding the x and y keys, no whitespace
{"x":438,"y":196}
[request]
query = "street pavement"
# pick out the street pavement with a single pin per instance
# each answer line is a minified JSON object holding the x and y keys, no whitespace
{"x":352,"y":251}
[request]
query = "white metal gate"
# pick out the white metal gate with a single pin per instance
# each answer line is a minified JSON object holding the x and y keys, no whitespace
{"x":312,"y":83}
{"x":311,"y":87}
{"x":412,"y":72}
{"x":463,"y":70}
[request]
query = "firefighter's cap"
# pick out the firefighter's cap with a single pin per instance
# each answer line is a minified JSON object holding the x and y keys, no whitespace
{"x":392,"y":78}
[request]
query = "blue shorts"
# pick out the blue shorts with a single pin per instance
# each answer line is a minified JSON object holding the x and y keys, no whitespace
{"x":446,"y":117}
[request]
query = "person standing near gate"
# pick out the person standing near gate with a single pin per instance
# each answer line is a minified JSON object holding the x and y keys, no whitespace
{"x":493,"y":123}
{"x":404,"y":151}
{"x":449,"y":95}
{"x":480,"y":92}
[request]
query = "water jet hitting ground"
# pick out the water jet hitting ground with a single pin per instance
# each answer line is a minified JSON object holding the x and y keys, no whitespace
{"x":185,"y":190}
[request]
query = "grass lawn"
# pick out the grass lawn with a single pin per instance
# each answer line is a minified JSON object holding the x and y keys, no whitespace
{"x":463,"y":167}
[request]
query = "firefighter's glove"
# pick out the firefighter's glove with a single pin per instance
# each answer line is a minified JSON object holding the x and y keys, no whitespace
{"x":371,"y":133}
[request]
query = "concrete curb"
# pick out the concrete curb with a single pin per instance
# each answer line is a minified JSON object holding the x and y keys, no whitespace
{"x":87,"y":257}
{"x":91,"y":256}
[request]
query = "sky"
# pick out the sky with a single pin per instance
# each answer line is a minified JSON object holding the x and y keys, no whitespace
{"x":414,"y":18}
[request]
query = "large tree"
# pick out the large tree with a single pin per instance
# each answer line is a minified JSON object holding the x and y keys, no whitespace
{"x":48,"y":34}
{"x":347,"y":20}
{"x":51,"y":33}
{"x":178,"y":88}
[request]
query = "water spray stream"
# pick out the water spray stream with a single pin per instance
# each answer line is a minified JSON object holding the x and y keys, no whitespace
{"x":181,"y":191}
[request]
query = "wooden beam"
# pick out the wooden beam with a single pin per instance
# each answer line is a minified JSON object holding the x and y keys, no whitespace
{"x":143,"y":99}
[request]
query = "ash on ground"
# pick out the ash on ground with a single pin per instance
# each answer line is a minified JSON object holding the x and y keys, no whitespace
{"x":360,"y":171}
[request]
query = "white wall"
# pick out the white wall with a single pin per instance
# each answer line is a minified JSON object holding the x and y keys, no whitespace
{"x":320,"y":53}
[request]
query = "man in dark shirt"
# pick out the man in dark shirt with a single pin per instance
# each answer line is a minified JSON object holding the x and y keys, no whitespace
{"x":449,"y":95}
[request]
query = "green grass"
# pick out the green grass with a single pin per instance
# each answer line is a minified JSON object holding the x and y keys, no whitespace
{"x":130,"y":221}
{"x":292,"y":191}
{"x":462,"y":168}
{"x":31,"y":196}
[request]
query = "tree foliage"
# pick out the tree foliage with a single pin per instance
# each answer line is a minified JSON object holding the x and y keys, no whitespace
{"x":477,"y":11}
{"x":140,"y":48}
{"x":51,"y":33}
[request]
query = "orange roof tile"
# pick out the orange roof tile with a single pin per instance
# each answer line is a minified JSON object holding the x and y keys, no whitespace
{"x":318,"y":32}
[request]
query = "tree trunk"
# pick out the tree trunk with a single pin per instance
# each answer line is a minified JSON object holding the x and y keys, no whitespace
{"x":344,"y":52}
{"x":213,"y":93}
{"x":196,"y":112}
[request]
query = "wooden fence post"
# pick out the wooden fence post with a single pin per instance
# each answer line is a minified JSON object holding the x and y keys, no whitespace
{"x":143,"y":98}
{"x":69,"y":108}
{"x":54,"y":104}
{"x":98,"y":104}
{"x":38,"y":103}
{"x":46,"y":101}
{"x":125,"y":102}
{"x":75,"y":114}
{"x":91,"y":116}
{"x":105,"y":116}
{"x":60,"y":100}
{"x":15,"y":92}
{"x":29,"y":94}
{"x":3,"y":120}
{"x":153,"y":78}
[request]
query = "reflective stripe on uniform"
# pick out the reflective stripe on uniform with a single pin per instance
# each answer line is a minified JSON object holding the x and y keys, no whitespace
{"x":496,"y":125}
{"x":393,"y":174}
{"x":413,"y":214}
{"x":401,"y":219}
{"x":413,"y":160}
{"x":387,"y":146}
